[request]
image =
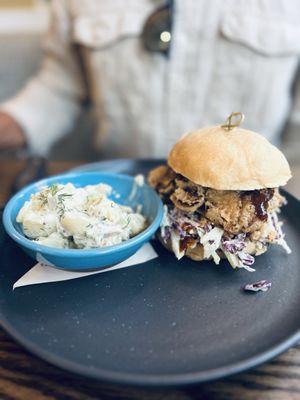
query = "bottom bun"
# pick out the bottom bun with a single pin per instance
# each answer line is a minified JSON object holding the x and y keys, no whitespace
{"x":197,"y":253}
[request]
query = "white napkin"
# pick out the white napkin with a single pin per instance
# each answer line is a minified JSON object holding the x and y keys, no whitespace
{"x":43,"y":273}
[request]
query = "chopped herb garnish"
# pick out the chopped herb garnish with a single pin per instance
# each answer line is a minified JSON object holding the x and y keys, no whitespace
{"x":61,"y":204}
{"x":43,"y":196}
{"x":54,"y":189}
{"x":62,"y":196}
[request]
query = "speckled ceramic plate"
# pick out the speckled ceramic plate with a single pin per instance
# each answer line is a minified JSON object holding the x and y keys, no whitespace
{"x":163,"y":323}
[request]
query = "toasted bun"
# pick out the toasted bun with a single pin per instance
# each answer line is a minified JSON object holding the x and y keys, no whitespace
{"x":197,"y":253}
{"x":236,"y":159}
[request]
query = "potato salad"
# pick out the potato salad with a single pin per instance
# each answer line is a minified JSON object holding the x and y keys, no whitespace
{"x":64,"y":216}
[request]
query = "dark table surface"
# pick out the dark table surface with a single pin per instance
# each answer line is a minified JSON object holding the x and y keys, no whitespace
{"x":23,"y":376}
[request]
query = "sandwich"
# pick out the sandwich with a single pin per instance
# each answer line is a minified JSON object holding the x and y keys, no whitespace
{"x":220,"y":189}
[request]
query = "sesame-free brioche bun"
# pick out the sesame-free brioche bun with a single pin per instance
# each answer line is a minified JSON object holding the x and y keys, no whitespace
{"x":235,"y":159}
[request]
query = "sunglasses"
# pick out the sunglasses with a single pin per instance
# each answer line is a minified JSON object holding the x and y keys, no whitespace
{"x":157,"y":31}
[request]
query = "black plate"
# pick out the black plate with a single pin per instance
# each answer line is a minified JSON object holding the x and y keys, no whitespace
{"x":162,"y":323}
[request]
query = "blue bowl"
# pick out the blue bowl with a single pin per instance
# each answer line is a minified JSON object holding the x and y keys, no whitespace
{"x":89,"y":259}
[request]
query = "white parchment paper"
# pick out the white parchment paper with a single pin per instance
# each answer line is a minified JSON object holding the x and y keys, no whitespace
{"x":43,"y":273}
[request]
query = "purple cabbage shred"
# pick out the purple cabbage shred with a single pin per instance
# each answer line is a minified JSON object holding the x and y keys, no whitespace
{"x":262,"y":285}
{"x":207,"y":227}
{"x":246,"y":259}
{"x":234,"y":245}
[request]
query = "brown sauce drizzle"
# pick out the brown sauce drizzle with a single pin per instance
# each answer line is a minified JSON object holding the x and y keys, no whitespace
{"x":185,"y":243}
{"x":188,"y":228}
{"x":260,"y":200}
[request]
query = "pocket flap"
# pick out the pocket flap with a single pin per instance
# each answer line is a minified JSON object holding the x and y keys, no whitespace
{"x":265,"y":35}
{"x":103,"y":30}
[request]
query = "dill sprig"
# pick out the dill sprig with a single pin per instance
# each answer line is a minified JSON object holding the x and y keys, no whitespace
{"x":61,"y":203}
{"x":53,"y":189}
{"x":42,"y":197}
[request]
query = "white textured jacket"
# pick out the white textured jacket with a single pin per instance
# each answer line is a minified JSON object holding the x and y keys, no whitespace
{"x":225,"y":56}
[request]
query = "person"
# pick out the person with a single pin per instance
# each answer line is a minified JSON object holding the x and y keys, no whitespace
{"x":154,"y":70}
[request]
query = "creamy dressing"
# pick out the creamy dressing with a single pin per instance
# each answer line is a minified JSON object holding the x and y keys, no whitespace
{"x":64,"y":216}
{"x":138,"y":181}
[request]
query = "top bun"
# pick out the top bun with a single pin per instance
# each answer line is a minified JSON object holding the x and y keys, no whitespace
{"x":229,"y":159}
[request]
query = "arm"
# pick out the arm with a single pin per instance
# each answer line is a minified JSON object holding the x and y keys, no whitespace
{"x":46,"y":108}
